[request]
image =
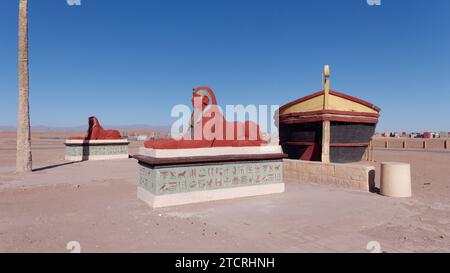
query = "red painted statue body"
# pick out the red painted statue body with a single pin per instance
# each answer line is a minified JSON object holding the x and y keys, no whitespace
{"x":96,"y":132}
{"x":209,"y":128}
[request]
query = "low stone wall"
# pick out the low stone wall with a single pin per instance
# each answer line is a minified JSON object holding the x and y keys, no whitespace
{"x":352,"y":176}
{"x":411,"y":143}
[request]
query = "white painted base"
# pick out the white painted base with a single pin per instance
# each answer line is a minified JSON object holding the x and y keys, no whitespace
{"x":96,"y":157}
{"x":216,"y":151}
{"x":93,"y":142}
{"x":205,"y":196}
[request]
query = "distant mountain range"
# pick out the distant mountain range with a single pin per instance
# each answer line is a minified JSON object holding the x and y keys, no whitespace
{"x":7,"y":128}
{"x":84,"y":127}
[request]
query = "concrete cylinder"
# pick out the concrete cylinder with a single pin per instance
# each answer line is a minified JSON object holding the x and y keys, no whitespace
{"x":395,"y":179}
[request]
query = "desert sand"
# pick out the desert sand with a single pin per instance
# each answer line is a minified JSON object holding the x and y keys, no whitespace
{"x":95,"y":204}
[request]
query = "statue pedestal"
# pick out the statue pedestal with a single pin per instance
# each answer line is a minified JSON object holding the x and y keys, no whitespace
{"x":79,"y":150}
{"x":171,"y":181}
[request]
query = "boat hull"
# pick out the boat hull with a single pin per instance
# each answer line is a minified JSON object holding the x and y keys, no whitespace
{"x":348,"y":140}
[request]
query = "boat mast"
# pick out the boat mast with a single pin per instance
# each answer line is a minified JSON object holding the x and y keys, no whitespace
{"x":326,"y":123}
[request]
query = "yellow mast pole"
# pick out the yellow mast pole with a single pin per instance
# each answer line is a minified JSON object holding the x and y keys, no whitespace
{"x":326,"y":124}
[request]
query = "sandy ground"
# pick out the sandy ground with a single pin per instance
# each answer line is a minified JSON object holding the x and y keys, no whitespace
{"x":95,"y":204}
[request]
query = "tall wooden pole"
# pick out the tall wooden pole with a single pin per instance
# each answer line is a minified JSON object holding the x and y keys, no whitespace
{"x":23,"y":155}
{"x":326,"y":123}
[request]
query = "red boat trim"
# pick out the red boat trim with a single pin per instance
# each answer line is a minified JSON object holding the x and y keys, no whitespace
{"x":332,"y":92}
{"x":322,"y":118}
{"x":336,"y":112}
{"x":309,"y":153}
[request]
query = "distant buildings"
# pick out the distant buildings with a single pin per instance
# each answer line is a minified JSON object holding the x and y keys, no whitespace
{"x":425,"y":135}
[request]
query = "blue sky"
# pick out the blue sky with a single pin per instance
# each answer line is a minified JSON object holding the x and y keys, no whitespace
{"x":130,"y":61}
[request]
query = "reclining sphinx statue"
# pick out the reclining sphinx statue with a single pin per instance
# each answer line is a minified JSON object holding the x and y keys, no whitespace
{"x":202,"y":134}
{"x":96,"y":132}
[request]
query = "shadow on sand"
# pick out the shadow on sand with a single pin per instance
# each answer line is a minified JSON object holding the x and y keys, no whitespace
{"x":55,"y":166}
{"x":372,"y":184}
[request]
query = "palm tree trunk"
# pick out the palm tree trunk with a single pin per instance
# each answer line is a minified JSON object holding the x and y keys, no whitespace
{"x":23,"y":157}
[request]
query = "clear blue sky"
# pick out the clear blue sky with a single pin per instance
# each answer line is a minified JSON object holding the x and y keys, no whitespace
{"x":130,"y":61}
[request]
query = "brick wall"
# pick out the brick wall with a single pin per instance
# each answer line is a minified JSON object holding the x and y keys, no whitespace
{"x":352,"y":176}
{"x":411,"y":143}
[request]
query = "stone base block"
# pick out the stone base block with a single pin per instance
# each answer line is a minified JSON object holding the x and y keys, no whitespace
{"x":352,"y":176}
{"x":177,"y":181}
{"x":80,"y":150}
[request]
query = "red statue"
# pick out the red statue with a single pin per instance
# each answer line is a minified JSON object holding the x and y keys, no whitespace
{"x":96,"y":132}
{"x":209,"y":128}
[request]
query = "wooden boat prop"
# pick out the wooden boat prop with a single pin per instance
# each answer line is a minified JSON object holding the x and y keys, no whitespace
{"x":327,"y":126}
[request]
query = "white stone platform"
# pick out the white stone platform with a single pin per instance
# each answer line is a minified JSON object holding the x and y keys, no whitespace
{"x":159,"y":201}
{"x":215,"y":151}
{"x":185,"y":176}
